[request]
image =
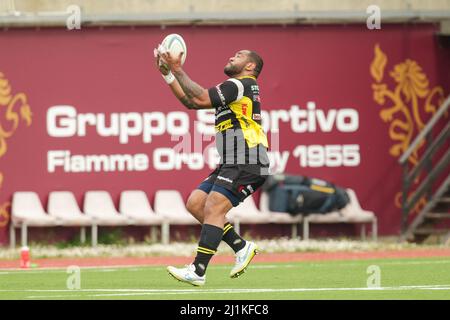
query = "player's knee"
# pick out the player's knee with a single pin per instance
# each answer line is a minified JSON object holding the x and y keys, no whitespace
{"x":210,"y":210}
{"x":213,"y":209}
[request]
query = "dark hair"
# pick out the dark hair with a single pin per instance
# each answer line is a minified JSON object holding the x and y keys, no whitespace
{"x":255,"y":58}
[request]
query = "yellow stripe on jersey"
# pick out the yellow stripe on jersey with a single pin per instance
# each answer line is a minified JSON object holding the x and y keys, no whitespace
{"x":253,"y":132}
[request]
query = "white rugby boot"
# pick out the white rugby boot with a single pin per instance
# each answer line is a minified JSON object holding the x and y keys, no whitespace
{"x":187,"y":274}
{"x":243,"y":259}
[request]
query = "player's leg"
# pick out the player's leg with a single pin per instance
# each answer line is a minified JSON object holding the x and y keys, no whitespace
{"x":247,"y":181}
{"x":225,"y":194}
{"x":196,"y":204}
{"x":197,"y":199}
{"x":215,"y":209}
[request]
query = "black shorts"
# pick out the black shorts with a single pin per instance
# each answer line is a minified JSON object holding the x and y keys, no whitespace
{"x":236,"y":182}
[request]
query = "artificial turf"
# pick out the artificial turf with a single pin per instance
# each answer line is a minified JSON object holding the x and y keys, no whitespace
{"x":424,"y":278}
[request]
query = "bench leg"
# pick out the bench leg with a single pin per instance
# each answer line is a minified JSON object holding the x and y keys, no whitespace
{"x":375,"y":230}
{"x":305,"y":229}
{"x":363,"y":232}
{"x":12,"y":236}
{"x":153,"y":234}
{"x":165,"y":233}
{"x":94,"y":233}
{"x":294,"y":232}
{"x":24,"y":235}
{"x":83,"y":234}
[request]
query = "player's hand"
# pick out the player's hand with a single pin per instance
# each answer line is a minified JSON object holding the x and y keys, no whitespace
{"x":161,"y":65}
{"x":174,"y":63}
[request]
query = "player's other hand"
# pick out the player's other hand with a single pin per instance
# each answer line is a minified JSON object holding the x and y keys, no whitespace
{"x":161,"y":65}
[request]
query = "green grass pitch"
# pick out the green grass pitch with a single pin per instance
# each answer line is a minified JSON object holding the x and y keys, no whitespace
{"x":425,"y":278}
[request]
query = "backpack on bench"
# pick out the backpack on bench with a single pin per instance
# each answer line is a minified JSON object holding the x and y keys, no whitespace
{"x":303,"y":195}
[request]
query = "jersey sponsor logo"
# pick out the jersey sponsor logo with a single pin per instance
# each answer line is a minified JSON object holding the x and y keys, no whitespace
{"x":244,"y":109}
{"x":257,"y":98}
{"x":224,"y":125}
{"x":224,"y":179}
{"x":256,"y":116}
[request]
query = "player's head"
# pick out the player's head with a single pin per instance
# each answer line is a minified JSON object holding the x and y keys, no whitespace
{"x":244,"y":62}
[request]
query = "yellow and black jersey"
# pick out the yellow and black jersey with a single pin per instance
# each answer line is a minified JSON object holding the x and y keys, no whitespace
{"x":240,"y":138}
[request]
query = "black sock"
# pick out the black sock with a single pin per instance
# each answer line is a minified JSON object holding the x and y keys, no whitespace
{"x":232,"y":238}
{"x":210,"y":238}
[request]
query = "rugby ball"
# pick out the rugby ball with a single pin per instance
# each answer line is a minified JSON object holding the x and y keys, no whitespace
{"x":174,"y":44}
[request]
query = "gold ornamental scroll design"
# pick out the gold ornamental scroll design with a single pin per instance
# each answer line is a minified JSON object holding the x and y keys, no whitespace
{"x":14,"y":108}
{"x":403,"y":106}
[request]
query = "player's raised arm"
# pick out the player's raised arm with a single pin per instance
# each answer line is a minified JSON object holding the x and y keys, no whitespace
{"x":194,"y":92}
{"x":190,"y":94}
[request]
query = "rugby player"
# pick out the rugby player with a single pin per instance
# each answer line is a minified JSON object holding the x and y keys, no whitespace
{"x":242,"y":145}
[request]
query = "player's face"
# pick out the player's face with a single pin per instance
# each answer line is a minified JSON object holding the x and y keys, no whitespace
{"x":236,"y":64}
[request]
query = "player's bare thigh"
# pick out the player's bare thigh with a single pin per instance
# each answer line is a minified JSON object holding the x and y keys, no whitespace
{"x":196,"y":203}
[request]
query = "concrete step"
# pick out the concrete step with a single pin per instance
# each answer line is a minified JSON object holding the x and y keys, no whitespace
{"x":429,"y":231}
{"x":437,"y":215}
{"x":444,"y":200}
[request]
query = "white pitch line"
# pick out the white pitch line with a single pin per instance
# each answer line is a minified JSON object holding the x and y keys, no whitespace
{"x":255,"y":266}
{"x":141,"y":292}
{"x":212,"y":290}
{"x":134,"y":268}
{"x":381,"y":263}
{"x":38,"y":269}
{"x":219,"y":291}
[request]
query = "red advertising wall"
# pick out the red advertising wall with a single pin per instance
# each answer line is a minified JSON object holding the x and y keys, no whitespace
{"x":74,"y":100}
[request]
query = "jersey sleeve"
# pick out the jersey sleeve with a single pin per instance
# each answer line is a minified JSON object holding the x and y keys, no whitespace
{"x":226,"y":92}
